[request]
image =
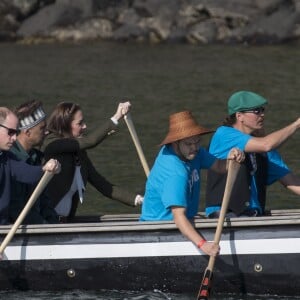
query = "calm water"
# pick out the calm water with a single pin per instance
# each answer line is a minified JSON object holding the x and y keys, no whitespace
{"x":159,"y":80}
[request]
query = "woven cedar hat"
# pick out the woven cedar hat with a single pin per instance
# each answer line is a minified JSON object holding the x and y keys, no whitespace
{"x":183,"y":125}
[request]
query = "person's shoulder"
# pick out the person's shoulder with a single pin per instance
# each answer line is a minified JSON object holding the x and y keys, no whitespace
{"x":8,"y":155}
{"x":229,"y":132}
{"x":37,"y":152}
{"x":167,"y":153}
{"x":54,"y":140}
{"x":49,"y":138}
{"x":223,"y":129}
{"x":168,"y":161}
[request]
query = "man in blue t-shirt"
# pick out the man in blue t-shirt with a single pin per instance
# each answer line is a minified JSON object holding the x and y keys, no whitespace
{"x":263,"y":165}
{"x":173,"y":185}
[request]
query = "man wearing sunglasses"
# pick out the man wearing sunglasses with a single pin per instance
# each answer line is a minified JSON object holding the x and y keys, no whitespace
{"x":244,"y":129}
{"x":12,"y":168}
{"x":32,"y":127}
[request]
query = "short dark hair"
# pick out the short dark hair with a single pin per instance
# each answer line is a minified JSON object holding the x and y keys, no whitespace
{"x":230,"y":120}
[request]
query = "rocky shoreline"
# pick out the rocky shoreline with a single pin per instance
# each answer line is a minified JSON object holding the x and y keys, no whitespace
{"x":152,"y":21}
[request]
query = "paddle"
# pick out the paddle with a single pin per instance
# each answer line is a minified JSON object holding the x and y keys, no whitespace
{"x":36,"y":193}
{"x":136,"y":142}
{"x":233,"y":168}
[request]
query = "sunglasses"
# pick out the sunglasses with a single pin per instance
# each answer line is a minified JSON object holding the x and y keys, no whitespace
{"x":256,"y":111}
{"x":11,"y":131}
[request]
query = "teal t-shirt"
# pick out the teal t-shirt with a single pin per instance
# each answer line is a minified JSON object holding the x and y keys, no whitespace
{"x":226,"y":138}
{"x":173,"y":182}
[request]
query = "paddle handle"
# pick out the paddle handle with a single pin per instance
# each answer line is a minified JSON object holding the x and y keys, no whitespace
{"x":233,"y":168}
{"x":36,"y":193}
{"x":136,"y":142}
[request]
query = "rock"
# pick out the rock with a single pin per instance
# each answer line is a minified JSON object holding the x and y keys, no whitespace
{"x":159,"y":27}
{"x":128,"y":32}
{"x":157,"y":8}
{"x":61,"y":13}
{"x":89,"y":30}
{"x":274,"y":28}
{"x":154,"y":21}
{"x":25,"y":8}
{"x":128,"y":16}
{"x":268,"y":6}
{"x":202,"y":33}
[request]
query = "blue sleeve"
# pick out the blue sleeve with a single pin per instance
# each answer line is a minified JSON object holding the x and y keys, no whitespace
{"x":175,"y":192}
{"x":226,"y":138}
{"x":206,"y":159}
{"x":276,"y":167}
{"x":25,"y":173}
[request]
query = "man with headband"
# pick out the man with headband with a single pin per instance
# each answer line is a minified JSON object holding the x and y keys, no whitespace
{"x":32,"y":126}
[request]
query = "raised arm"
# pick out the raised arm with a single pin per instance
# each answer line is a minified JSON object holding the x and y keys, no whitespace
{"x":97,"y":135}
{"x":272,"y":140}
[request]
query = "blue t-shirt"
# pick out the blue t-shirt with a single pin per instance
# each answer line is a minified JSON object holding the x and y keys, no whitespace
{"x":173,"y":182}
{"x":226,"y":138}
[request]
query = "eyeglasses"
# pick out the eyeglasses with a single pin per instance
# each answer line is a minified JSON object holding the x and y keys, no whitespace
{"x":11,"y":131}
{"x":256,"y":111}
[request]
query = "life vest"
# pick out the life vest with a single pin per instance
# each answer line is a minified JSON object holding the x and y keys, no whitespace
{"x":256,"y":164}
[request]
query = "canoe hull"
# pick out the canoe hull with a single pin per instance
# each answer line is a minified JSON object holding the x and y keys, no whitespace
{"x":168,"y":274}
{"x":257,"y":259}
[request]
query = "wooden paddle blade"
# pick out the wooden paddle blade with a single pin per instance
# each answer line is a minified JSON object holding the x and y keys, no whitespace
{"x":204,"y":291}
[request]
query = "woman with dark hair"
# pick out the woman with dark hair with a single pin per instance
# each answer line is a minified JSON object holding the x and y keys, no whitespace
{"x":67,"y":143}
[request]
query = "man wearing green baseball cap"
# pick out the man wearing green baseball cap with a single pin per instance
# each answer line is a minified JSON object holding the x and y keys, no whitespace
{"x":244,"y":129}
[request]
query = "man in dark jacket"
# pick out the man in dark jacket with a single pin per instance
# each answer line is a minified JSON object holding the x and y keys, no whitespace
{"x":32,"y":126}
{"x":11,"y":168}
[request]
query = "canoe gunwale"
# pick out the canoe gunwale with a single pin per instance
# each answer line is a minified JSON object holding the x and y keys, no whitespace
{"x":130,"y":223}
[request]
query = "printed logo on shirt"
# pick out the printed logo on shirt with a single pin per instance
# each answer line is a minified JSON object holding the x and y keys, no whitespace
{"x":194,"y":178}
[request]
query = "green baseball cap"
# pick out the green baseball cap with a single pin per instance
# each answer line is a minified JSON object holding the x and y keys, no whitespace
{"x":244,"y":100}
